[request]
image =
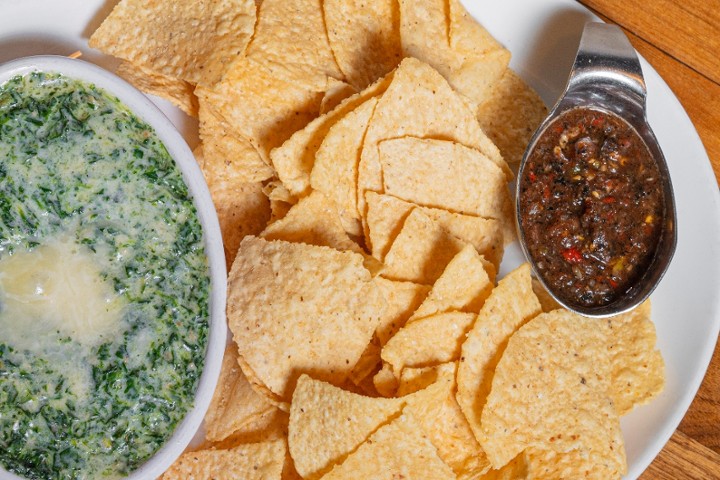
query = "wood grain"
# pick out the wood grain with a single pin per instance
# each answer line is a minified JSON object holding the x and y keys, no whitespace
{"x":686,"y":30}
{"x":683,"y":458}
{"x":681,"y":40}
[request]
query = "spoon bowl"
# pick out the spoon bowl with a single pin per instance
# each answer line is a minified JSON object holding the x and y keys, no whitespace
{"x":607,"y":77}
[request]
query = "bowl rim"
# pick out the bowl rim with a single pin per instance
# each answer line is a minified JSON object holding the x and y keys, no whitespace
{"x":141,"y":106}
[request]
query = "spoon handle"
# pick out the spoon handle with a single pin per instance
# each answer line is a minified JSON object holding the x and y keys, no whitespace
{"x":607,"y":60}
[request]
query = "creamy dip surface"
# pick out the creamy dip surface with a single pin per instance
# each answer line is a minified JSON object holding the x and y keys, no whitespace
{"x":104,"y":284}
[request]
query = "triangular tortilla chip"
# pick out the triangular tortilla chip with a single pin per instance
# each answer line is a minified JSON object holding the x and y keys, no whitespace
{"x":636,"y":364}
{"x":234,"y":403}
{"x":365,"y":37}
{"x":386,"y":215}
{"x":550,"y":391}
{"x":510,"y":115}
{"x":290,"y":40}
{"x":464,"y":285}
{"x":294,"y":159}
{"x":296,"y":308}
{"x":336,"y":163}
{"x":192,"y":41}
{"x":425,"y":172}
{"x":402,"y":299}
{"x":327,"y":423}
{"x":510,"y":305}
{"x":419,"y":102}
{"x":252,"y":461}
{"x":396,"y":450}
{"x":442,"y":34}
{"x":421,"y":250}
{"x":313,"y":220}
{"x":179,"y":92}
{"x":428,"y":341}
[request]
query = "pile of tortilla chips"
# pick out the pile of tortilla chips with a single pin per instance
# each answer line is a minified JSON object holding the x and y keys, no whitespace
{"x":358,"y":154}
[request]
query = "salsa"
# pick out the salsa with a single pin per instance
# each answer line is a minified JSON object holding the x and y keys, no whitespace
{"x":104,"y":284}
{"x":591,"y":206}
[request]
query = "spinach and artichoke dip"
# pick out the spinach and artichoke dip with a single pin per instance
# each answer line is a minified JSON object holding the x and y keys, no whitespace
{"x":104,"y":284}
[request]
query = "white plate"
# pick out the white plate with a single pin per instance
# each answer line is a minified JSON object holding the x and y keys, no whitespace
{"x":543,"y":37}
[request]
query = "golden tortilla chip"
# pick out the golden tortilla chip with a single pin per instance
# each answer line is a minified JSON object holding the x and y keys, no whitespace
{"x":440,"y":418}
{"x":510,"y":115}
{"x":294,"y":159}
{"x":386,"y":215}
{"x":397,"y":450}
{"x":637,"y":366}
{"x":290,"y":40}
{"x":421,"y":250}
{"x":234,"y":403}
{"x":179,"y":92}
{"x":402,"y":298}
{"x":327,"y":423}
{"x":296,"y":308}
{"x":419,"y":102}
{"x":253,"y":461}
{"x":367,"y":365}
{"x":260,"y":106}
{"x":365,"y":38}
{"x":335,"y":94}
{"x":550,"y":392}
{"x":428,"y":341}
{"x":228,"y":156}
{"x":385,"y":382}
{"x":510,"y":305}
{"x":242,"y":208}
{"x":336,"y":163}
{"x":426,"y":172}
{"x":192,"y":41}
{"x":463,"y":286}
{"x":313,"y":220}
{"x":443,"y":35}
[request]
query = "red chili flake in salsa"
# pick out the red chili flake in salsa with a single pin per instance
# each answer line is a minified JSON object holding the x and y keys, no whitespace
{"x":591,"y":206}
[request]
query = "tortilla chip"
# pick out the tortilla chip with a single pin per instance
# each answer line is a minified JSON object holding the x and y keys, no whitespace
{"x":510,"y":305}
{"x":228,"y":156}
{"x":179,"y":92}
{"x":385,"y":382}
{"x":315,"y":221}
{"x":268,"y":426}
{"x":234,"y":403}
{"x":290,"y":40}
{"x":428,"y":341}
{"x":402,"y":299}
{"x":365,"y":38}
{"x":550,"y":392}
{"x":637,"y":366}
{"x":253,"y":461}
{"x":396,"y":450}
{"x":419,"y":102}
{"x":335,"y":94}
{"x":421,"y":250}
{"x":295,"y":158}
{"x":443,"y":35}
{"x":386,"y":215}
{"x":440,"y":418}
{"x":367,"y":365}
{"x":296,"y":308}
{"x":335,"y":169}
{"x":191,"y":41}
{"x":510,"y":115}
{"x":426,"y":172}
{"x":260,"y":106}
{"x":327,"y":423}
{"x":463,"y":286}
{"x":242,"y":208}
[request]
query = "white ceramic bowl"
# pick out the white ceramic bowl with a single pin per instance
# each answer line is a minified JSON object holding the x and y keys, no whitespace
{"x":141,"y":106}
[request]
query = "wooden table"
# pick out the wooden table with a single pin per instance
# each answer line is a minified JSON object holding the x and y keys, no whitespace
{"x":681,"y":39}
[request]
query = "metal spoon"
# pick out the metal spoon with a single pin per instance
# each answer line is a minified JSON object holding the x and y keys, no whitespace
{"x":607,"y":76}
